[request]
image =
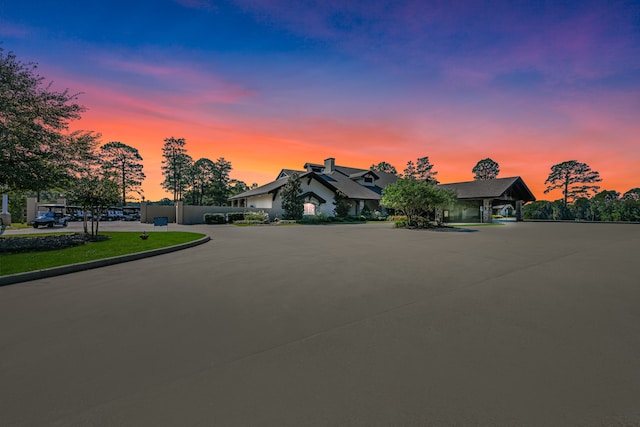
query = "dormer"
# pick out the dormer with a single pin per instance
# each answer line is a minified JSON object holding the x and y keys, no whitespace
{"x":367,"y":178}
{"x":313,"y":167}
{"x":285,"y":173}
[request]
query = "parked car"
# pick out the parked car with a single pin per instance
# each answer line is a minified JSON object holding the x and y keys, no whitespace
{"x":112,"y":216}
{"x":131,"y":217}
{"x":49,"y":219}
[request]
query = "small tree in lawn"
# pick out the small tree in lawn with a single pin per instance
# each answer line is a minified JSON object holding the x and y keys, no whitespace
{"x":575,"y":179}
{"x":292,"y":204}
{"x":94,"y":193}
{"x":415,"y":199}
{"x":485,"y":169}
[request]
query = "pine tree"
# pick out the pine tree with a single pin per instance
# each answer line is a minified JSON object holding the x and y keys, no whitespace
{"x":292,"y":204}
{"x":126,"y":163}
{"x":485,"y":169}
{"x":175,"y":166}
{"x":574,"y":178}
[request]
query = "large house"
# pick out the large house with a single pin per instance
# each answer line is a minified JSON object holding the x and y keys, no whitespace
{"x":362,"y":189}
{"x":320,"y":183}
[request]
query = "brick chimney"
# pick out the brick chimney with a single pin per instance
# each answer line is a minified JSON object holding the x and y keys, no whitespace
{"x":329,"y":165}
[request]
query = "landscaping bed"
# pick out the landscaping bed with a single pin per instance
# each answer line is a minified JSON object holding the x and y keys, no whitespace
{"x":12,"y":245}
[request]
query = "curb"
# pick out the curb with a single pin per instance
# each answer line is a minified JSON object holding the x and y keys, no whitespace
{"x":72,"y":268}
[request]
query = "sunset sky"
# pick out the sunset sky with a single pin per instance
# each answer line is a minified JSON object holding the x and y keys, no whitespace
{"x":271,"y":84}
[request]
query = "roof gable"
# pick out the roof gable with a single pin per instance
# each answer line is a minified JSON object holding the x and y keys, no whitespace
{"x":512,"y":188}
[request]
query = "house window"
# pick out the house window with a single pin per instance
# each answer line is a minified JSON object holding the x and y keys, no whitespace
{"x":309,"y":209}
{"x":368,"y":179}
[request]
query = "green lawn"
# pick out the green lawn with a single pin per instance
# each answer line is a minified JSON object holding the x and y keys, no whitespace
{"x":121,"y":243}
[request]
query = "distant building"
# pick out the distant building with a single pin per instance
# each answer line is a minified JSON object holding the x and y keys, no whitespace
{"x":476,"y":199}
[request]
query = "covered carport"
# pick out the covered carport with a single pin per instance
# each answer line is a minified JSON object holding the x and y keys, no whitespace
{"x":477,"y":198}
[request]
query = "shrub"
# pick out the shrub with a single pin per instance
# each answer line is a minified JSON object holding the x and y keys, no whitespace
{"x":319,"y":218}
{"x":235,"y":216}
{"x":257,"y":217}
{"x":399,"y":221}
{"x":214,"y":218}
{"x":376,"y":216}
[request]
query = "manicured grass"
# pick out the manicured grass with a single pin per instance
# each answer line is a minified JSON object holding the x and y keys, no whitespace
{"x":121,"y":243}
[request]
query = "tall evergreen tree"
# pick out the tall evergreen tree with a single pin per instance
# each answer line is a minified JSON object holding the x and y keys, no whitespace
{"x":220,"y":191}
{"x":384,"y":167}
{"x":175,"y":166}
{"x":421,"y":170}
{"x":202,"y":174}
{"x":292,"y":203}
{"x":126,"y":163}
{"x":410,"y":171}
{"x":424,"y":170}
{"x":575,"y":179}
{"x":485,"y":169}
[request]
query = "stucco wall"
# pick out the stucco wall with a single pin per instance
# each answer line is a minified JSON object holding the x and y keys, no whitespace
{"x":148,"y":212}
{"x":264,"y":201}
{"x":191,"y":214}
{"x":322,"y":191}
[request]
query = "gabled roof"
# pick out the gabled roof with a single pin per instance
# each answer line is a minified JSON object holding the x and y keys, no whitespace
{"x":289,"y":172}
{"x":363,"y":173}
{"x":512,"y":188}
{"x":342,"y":178}
{"x":264,"y":189}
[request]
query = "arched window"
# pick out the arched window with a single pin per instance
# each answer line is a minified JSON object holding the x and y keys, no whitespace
{"x":309,"y":209}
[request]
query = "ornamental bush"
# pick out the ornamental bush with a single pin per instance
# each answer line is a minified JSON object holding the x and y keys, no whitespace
{"x":214,"y":218}
{"x":258,"y":217}
{"x":235,"y":216}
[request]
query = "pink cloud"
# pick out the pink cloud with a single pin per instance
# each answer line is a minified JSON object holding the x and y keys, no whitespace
{"x":187,"y":78}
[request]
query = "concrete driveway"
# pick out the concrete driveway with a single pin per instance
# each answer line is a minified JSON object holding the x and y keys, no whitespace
{"x":352,"y":325}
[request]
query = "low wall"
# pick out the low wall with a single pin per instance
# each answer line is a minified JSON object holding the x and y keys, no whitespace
{"x":189,"y":215}
{"x":148,"y":212}
{"x":195,"y":214}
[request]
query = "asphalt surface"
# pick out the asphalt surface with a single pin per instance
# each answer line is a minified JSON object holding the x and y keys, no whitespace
{"x":350,"y":325}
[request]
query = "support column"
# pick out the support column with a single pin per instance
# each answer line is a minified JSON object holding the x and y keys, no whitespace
{"x":179,"y":212}
{"x":486,"y":211}
{"x":5,"y":216}
{"x":519,"y":212}
{"x":143,"y":212}
{"x":32,"y":209}
{"x":438,"y":216}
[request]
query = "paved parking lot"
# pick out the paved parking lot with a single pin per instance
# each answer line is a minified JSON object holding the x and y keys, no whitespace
{"x":348,"y":325}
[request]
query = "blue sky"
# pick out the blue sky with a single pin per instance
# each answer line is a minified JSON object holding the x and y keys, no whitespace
{"x":274,"y":84}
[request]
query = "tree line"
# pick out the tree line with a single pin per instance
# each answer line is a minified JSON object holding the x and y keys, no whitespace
{"x":199,"y":182}
{"x":581,"y":198}
{"x":39,"y":153}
